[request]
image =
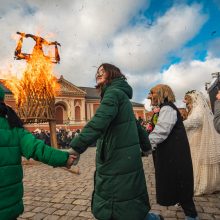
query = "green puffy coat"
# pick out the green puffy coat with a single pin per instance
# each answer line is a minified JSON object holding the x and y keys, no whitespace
{"x":15,"y":143}
{"x":120,"y":191}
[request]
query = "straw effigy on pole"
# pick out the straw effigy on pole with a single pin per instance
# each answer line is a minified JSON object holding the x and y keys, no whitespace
{"x":35,"y":91}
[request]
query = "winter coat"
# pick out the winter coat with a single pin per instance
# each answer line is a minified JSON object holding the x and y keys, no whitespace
{"x":119,"y":183}
{"x":15,"y":143}
{"x":173,"y":166}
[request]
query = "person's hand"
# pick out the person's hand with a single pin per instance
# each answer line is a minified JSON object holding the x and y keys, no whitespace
{"x":76,"y":154}
{"x":218,"y":95}
{"x":70,"y":161}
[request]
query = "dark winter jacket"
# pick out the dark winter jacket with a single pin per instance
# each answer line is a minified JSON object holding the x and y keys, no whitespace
{"x":119,"y":183}
{"x":173,"y":166}
{"x":14,"y":143}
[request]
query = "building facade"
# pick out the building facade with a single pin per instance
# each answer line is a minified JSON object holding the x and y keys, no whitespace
{"x":74,"y":106}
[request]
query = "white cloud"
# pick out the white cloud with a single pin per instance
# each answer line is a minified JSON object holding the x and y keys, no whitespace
{"x":92,"y":32}
{"x":85,"y":30}
{"x":190,"y":75}
{"x":144,"y":48}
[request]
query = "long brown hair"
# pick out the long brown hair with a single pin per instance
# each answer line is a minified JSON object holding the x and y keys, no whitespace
{"x":112,"y":71}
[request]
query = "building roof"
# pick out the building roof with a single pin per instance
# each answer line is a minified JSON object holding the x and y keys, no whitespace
{"x":137,"y":104}
{"x":68,"y":87}
{"x":92,"y":93}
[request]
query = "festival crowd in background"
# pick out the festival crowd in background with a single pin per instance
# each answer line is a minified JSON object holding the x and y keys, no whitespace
{"x":64,"y":136}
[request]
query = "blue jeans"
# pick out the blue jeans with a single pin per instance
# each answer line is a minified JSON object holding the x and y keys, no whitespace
{"x":152,"y":216}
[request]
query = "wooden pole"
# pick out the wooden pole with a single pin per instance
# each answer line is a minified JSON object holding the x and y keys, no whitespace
{"x":53,"y":135}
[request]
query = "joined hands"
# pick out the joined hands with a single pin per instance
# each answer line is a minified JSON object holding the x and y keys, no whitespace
{"x":70,"y":161}
{"x":73,"y":158}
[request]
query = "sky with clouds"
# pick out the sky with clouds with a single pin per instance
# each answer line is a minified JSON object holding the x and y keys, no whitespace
{"x":175,"y":42}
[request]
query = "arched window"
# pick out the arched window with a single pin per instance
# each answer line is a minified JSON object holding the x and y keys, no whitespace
{"x":77,"y":113}
{"x":59,"y":114}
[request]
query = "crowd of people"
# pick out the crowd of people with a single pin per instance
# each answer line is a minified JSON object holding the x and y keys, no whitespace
{"x":64,"y":136}
{"x":185,"y":151}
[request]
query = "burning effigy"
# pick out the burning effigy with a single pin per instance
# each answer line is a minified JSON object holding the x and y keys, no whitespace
{"x":38,"y":48}
{"x":35,"y":92}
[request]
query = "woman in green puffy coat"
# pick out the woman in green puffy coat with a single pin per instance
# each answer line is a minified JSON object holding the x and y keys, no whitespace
{"x":120,"y":191}
{"x":16,"y":142}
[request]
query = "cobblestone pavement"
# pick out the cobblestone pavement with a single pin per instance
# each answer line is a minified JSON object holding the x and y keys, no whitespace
{"x":54,"y":193}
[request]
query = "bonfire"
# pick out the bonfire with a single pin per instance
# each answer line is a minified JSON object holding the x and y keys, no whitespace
{"x":35,"y":92}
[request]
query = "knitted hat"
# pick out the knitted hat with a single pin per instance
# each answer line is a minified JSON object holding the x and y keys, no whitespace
{"x":2,"y":94}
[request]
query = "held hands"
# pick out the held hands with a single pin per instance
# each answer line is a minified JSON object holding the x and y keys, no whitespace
{"x":75,"y":154}
{"x":70,"y":161}
{"x":73,"y":158}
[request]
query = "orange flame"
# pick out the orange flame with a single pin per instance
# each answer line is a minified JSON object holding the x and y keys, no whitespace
{"x":37,"y":81}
